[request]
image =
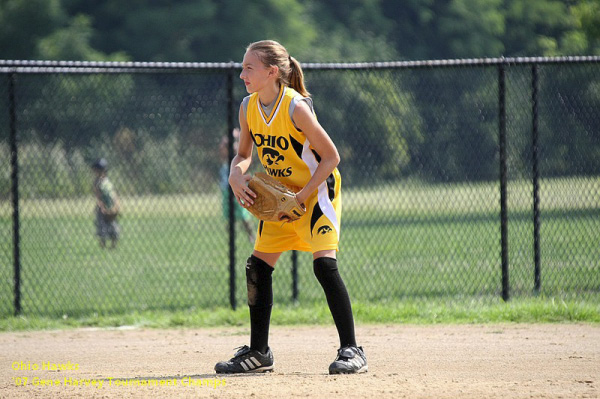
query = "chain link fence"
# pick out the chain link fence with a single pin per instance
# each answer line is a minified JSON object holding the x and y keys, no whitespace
{"x":461,"y":179}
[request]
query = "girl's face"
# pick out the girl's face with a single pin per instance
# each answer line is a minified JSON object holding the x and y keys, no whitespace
{"x":255,"y":74}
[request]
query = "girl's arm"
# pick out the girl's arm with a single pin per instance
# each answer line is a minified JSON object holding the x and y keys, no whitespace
{"x":323,"y":145}
{"x":238,"y":180}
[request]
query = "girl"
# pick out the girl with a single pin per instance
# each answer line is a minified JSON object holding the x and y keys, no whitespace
{"x":278,"y":117}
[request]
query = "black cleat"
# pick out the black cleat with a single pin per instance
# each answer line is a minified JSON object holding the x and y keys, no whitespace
{"x":350,"y":360}
{"x":246,"y":360}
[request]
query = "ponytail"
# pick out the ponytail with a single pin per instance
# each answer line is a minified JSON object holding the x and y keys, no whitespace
{"x":296,"y":78}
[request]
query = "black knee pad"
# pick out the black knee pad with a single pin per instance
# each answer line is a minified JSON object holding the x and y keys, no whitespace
{"x":259,"y":282}
{"x":325,"y":268}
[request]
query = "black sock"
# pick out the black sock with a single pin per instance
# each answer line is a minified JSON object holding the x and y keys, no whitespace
{"x":337,"y":298}
{"x":260,"y":301}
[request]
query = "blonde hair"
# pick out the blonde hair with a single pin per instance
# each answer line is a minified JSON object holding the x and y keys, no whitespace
{"x":271,"y":53}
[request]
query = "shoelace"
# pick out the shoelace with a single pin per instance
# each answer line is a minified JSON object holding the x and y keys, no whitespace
{"x":355,"y":351}
{"x":240,"y":350}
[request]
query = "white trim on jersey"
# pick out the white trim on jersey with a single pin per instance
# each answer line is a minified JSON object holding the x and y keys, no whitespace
{"x":271,"y":117}
{"x":322,"y":192}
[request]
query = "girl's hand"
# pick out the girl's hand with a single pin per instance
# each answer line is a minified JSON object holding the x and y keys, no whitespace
{"x":239,"y":186}
{"x":301,"y":197}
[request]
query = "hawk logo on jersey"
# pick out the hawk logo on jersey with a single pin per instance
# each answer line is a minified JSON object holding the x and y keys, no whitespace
{"x":324,"y":230}
{"x":271,"y":156}
{"x":270,"y":147}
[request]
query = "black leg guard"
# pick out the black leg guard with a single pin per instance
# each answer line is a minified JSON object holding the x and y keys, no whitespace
{"x":260,"y":301}
{"x":337,"y":298}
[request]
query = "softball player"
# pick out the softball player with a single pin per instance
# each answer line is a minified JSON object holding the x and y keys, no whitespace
{"x":107,"y":205}
{"x":278,"y":118}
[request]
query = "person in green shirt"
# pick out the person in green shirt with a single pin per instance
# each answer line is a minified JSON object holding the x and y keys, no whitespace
{"x":107,"y":205}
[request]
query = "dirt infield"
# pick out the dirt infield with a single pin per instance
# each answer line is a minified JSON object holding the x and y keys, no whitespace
{"x":489,"y":361}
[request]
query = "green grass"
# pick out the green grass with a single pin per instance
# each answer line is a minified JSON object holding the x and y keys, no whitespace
{"x":434,"y":243}
{"x":535,"y":310}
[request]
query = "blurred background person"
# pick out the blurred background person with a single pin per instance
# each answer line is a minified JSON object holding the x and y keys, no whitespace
{"x":107,"y":205}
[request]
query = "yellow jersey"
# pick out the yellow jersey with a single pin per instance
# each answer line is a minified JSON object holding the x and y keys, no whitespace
{"x":283,"y":149}
{"x":286,"y":154}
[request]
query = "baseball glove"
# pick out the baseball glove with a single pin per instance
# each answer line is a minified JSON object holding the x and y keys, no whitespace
{"x":110,"y":215}
{"x":274,"y":202}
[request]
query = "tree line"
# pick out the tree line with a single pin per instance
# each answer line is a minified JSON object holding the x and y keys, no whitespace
{"x":313,"y":30}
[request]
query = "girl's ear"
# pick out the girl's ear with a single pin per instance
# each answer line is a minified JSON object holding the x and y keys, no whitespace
{"x":274,"y":71}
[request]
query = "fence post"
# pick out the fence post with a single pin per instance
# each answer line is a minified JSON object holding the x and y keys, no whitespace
{"x":294,"y":276}
{"x":503,"y":180}
{"x":537,"y":282}
{"x":230,"y":127}
{"x":14,"y":177}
